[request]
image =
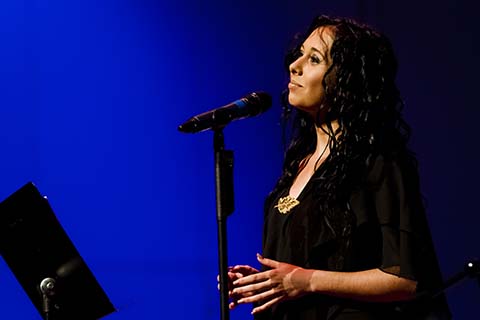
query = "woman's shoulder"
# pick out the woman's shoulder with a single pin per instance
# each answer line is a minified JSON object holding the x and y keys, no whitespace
{"x":392,"y":185}
{"x":392,"y":166}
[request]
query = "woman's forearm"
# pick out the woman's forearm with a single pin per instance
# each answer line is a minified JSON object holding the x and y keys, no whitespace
{"x":370,"y":285}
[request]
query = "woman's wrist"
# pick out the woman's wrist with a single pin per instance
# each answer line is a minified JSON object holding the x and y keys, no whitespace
{"x":307,"y":281}
{"x":317,"y":284}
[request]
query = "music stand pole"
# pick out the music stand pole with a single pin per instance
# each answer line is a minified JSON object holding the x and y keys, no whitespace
{"x":225,"y":206}
{"x":471,"y":269}
{"x":48,"y":290}
{"x":45,"y":261}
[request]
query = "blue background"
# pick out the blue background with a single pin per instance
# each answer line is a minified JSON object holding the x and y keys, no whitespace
{"x":92,"y":93}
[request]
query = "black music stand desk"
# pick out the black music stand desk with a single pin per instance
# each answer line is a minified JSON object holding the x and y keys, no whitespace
{"x":45,"y":262}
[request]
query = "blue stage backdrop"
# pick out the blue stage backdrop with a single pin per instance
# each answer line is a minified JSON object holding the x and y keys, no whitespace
{"x":93,"y":92}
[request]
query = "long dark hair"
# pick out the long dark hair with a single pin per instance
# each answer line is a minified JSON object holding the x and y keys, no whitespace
{"x":361,"y":94}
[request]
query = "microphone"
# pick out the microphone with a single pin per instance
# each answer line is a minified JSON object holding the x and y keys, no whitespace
{"x":248,"y":106}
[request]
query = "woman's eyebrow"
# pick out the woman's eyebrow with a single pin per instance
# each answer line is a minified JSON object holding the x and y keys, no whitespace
{"x":320,"y":52}
{"x":302,"y":47}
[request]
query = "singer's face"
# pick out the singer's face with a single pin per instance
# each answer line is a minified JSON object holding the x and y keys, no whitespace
{"x":306,"y":90}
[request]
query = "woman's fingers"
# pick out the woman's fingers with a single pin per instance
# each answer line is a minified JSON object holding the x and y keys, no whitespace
{"x":244,"y":270}
{"x":232,"y":276}
{"x":238,"y":271}
{"x":234,"y":273}
{"x":260,"y":286}
{"x":258,"y":297}
{"x":267,"y":305}
{"x":267,"y":262}
{"x":265,"y":288}
{"x":253,"y":278}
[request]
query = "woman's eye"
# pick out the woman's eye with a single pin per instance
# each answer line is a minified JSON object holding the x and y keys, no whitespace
{"x":314,"y":59}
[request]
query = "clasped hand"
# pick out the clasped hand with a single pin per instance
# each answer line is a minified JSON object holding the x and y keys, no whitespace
{"x":282,"y":282}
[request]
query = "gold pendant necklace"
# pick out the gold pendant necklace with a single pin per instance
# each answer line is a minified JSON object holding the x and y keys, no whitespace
{"x":285,"y":204}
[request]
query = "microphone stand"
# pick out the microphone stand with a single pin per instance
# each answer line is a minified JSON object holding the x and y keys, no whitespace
{"x":225,"y":206}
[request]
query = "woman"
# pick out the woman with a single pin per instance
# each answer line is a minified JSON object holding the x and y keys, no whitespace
{"x":345,"y":233}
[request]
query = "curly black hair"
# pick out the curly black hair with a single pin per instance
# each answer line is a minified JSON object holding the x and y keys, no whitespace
{"x":361,"y":94}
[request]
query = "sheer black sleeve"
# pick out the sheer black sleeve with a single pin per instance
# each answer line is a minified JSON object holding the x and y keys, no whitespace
{"x":393,"y":202}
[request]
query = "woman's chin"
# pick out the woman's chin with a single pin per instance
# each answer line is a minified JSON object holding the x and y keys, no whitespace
{"x":302,"y":107}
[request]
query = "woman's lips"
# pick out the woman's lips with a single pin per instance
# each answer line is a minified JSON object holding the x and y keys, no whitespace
{"x":293,"y":85}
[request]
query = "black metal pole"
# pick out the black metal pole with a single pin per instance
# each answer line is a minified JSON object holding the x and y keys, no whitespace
{"x":471,"y":269}
{"x":48,"y":290}
{"x":225,"y":206}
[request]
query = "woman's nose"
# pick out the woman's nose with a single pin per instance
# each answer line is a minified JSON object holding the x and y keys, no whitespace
{"x":295,"y":67}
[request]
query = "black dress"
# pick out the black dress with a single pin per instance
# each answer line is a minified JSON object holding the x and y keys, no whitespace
{"x":390,"y":232}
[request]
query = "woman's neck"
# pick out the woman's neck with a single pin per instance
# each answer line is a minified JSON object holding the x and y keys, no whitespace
{"x":324,"y":135}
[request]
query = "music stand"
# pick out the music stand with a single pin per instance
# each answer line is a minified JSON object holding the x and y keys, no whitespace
{"x":45,"y":262}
